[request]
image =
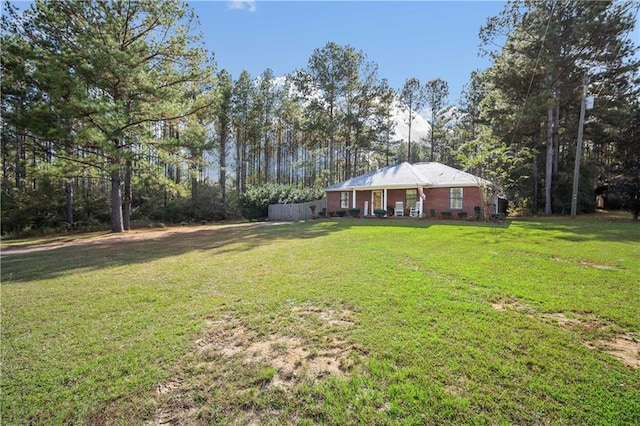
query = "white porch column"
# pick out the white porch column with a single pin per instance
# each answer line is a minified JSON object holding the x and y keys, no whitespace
{"x":353,"y":200}
{"x":373,"y":206}
{"x":384,"y":199}
{"x":421,"y":205}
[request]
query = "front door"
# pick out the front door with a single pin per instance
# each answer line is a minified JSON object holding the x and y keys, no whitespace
{"x":376,"y":201}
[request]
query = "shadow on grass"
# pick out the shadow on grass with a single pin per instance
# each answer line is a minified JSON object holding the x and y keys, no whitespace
{"x":119,"y":250}
{"x":111,"y":250}
{"x":585,"y":229}
{"x":61,"y":256}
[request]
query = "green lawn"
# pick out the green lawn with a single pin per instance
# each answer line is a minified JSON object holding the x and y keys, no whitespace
{"x":328,"y":322}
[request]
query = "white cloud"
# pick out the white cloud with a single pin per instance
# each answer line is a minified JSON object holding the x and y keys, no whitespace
{"x":420,"y":126}
{"x":249,"y":5}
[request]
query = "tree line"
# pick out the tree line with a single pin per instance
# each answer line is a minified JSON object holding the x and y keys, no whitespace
{"x":114,"y":111}
{"x":524,"y":109}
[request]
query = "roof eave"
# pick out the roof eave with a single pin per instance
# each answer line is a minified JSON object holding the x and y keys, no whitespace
{"x":375,"y":187}
{"x":461,"y":185}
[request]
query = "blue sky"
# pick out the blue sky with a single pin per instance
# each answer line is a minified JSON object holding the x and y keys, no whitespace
{"x":423,"y":39}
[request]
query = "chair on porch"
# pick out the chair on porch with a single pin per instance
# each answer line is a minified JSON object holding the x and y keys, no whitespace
{"x":399,"y":210}
{"x":415,"y":210}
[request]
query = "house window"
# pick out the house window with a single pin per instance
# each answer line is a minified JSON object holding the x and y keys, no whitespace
{"x":344,"y":200}
{"x":455,"y":198}
{"x":411,"y":198}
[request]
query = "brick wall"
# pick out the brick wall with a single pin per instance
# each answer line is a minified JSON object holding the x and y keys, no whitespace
{"x":438,"y":199}
{"x":333,"y":200}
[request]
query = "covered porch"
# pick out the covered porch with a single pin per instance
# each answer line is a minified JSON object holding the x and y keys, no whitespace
{"x":405,"y":202}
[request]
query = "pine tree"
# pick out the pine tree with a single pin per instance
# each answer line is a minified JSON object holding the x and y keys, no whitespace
{"x":413,"y":98}
{"x":243,"y":98}
{"x":536,"y":78}
{"x":384,"y":123}
{"x":436,"y":92}
{"x":324,"y":85}
{"x":223,"y":125}
{"x":116,"y":67}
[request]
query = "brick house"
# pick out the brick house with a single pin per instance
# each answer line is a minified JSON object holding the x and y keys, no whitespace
{"x":420,"y":188}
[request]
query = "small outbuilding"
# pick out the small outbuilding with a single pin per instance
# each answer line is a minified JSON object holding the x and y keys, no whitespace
{"x":413,"y":189}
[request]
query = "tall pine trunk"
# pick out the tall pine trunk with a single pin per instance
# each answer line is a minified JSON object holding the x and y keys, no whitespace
{"x":238,"y":182}
{"x":195,"y":157}
{"x":434,"y":144}
{"x":556,"y":139}
{"x":243,"y":185}
{"x":68,"y":189}
{"x":116,"y":200}
{"x":20,"y":165}
{"x":126,"y":207}
{"x":536,"y":174}
{"x":5,"y":162}
{"x":279,"y":155}
{"x":194,"y":195}
{"x":267,"y":157}
{"x":332,"y":144}
{"x":409,"y":138}
{"x":347,"y":156}
{"x":549,"y":163}
{"x":222,"y":178}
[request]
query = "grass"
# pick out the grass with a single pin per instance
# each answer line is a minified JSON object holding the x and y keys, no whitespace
{"x":196,"y":327}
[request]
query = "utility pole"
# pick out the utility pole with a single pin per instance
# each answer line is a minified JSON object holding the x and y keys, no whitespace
{"x":576,"y":170}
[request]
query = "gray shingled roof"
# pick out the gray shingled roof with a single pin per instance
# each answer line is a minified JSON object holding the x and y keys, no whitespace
{"x":440,"y":175}
{"x":405,"y":175}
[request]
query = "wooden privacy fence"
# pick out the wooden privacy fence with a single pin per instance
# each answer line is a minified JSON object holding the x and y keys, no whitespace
{"x":298,"y":211}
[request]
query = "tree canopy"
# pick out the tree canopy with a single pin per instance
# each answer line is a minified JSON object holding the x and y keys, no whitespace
{"x":114,"y":111}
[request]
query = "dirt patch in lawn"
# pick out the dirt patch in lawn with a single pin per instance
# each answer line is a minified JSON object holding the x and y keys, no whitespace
{"x":585,"y":264}
{"x":622,"y":345}
{"x":241,"y":362}
{"x":512,"y":305}
{"x":293,"y":360}
{"x":293,"y":357}
{"x":332,"y":317}
{"x":502,"y":306}
{"x":583,"y":322}
{"x":625,"y":348}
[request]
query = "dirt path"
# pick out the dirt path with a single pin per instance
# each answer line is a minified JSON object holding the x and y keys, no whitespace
{"x":81,"y":240}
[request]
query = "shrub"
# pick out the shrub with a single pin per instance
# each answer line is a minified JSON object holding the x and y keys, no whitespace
{"x":446,"y":214}
{"x":390,"y":211}
{"x":254,"y":203}
{"x":380,"y":212}
{"x":32,"y":212}
{"x":495,"y":217}
{"x":432,"y":212}
{"x":341,"y":212}
{"x":181,"y":206}
{"x":462,"y":215}
{"x":354,"y":212}
{"x":477,"y":211}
